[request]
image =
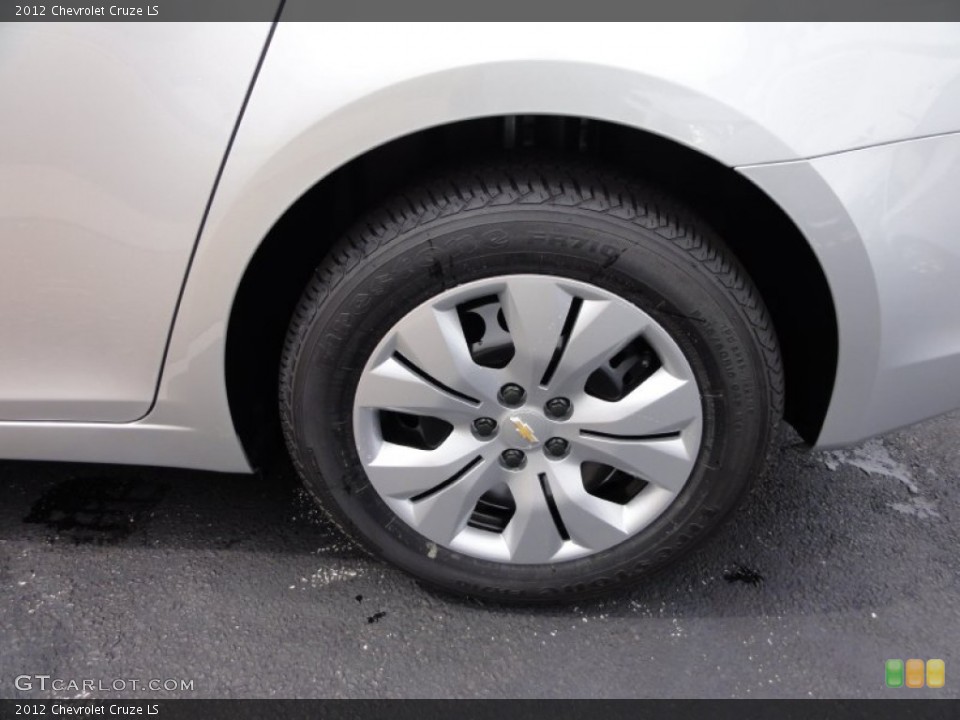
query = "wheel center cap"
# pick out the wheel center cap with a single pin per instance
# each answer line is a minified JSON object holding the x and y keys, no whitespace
{"x":525,"y":430}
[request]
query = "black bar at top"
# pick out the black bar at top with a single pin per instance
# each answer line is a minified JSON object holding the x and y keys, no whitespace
{"x":492,"y":10}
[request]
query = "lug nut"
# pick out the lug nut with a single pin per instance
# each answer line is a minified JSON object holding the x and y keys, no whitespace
{"x":513,"y":459}
{"x":558,"y":408}
{"x":512,"y":395}
{"x":556,"y":447}
{"x":484,"y":427}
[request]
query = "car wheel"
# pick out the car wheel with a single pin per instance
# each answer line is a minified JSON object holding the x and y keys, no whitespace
{"x":530,"y":382}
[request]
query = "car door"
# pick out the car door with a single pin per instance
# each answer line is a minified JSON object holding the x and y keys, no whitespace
{"x":111,"y":139}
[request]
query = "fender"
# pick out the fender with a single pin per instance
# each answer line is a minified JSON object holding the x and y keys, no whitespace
{"x":304,"y":121}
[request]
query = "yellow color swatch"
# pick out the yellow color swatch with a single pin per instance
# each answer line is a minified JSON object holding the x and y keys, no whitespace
{"x":936,"y":673}
{"x":914,"y":674}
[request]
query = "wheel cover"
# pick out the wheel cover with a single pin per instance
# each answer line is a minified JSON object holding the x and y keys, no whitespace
{"x":590,"y":476}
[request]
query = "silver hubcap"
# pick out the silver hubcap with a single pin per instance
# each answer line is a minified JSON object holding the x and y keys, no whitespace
{"x":527,"y":419}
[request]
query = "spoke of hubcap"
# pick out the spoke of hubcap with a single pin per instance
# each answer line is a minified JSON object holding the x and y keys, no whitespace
{"x":602,"y":329}
{"x":663,"y":462}
{"x":535,"y":311}
{"x":532,"y":534}
{"x":662,"y":404}
{"x":591,"y":521}
{"x":404,"y":472}
{"x":444,"y":514}
{"x":393,"y":386}
{"x":433,"y":340}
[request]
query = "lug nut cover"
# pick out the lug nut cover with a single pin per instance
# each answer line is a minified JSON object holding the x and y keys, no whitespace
{"x":557,"y":447}
{"x":558,"y":407}
{"x":513,"y":459}
{"x":485,"y":427}
{"x":512,"y":395}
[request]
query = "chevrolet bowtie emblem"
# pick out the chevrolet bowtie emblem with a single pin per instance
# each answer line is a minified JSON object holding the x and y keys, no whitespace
{"x":525,"y":431}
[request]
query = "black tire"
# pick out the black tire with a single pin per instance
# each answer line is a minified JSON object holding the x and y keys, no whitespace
{"x":579,"y":222}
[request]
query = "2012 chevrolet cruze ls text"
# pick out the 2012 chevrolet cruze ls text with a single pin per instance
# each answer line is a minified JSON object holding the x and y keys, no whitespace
{"x":528,"y":302}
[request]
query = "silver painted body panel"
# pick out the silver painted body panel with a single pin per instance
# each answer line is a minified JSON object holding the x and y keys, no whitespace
{"x":892,"y":261}
{"x":762,"y":98}
{"x":110,"y":139}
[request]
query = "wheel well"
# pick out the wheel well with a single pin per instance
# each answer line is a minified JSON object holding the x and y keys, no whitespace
{"x":765,"y":240}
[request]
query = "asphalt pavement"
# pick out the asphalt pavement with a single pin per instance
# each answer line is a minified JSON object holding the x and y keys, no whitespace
{"x":236,"y":587}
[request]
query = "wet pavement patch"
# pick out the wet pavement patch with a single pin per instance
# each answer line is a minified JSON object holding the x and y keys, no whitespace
{"x":100,"y":511}
{"x":743,"y":574}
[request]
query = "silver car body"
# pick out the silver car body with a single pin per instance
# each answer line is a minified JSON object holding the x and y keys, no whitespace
{"x":117,"y":280}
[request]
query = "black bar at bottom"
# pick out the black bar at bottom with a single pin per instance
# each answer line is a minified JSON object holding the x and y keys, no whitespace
{"x":893,"y":709}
